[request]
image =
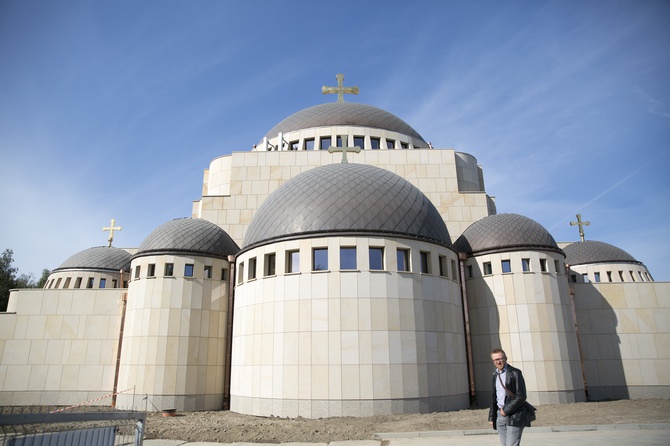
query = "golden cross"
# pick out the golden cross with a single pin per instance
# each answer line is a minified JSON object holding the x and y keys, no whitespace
{"x":581,"y":225}
{"x":111,"y":230}
{"x":344,"y":151}
{"x":340,"y":90}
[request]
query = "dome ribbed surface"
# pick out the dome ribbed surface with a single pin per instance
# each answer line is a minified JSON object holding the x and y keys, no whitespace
{"x":590,"y":251}
{"x":189,"y":235}
{"x":100,"y":257}
{"x":343,"y":113}
{"x":347,"y":198}
{"x":504,"y":232}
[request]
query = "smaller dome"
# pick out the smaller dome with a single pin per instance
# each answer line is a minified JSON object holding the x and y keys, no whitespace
{"x":188,"y":235}
{"x":98,"y":258}
{"x":590,"y":251}
{"x":505,"y":232}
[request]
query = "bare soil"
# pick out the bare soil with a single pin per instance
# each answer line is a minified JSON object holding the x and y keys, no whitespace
{"x":230,"y":427}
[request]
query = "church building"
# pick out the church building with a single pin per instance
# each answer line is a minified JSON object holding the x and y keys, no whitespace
{"x":343,"y":267}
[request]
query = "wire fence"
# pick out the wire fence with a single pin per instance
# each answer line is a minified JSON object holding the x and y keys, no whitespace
{"x":75,"y":425}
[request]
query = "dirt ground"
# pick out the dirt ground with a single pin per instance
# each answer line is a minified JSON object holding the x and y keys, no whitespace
{"x":229,"y":427}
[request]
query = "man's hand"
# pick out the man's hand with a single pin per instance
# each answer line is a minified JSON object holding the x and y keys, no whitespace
{"x":503,"y":413}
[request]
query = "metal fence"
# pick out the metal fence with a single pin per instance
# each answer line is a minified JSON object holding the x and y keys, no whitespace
{"x":45,"y":426}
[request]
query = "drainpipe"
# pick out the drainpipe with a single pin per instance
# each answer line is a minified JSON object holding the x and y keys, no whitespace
{"x":574,"y":318}
{"x":229,"y":334}
{"x":462,"y":257}
{"x":124,"y":298}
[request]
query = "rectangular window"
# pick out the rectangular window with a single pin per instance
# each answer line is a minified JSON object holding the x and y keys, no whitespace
{"x":454,"y":270}
{"x":240,"y":273}
{"x":359,"y":141}
{"x":390,"y":144}
{"x":224,"y":274}
{"x":341,"y":141}
{"x":57,"y":283}
{"x":469,"y":271}
{"x":252,"y":268}
{"x":270,"y":261}
{"x":609,"y":276}
{"x":585,"y":277}
{"x":114,"y":283}
{"x":641,"y":278}
{"x":348,"y":258}
{"x":573,"y":278}
{"x":77,"y":283}
{"x":207,"y":273}
{"x":404,"y":145}
{"x":596,"y":277}
{"x":506,"y":266}
{"x":325,"y":143}
{"x":309,"y":144}
{"x":151,"y":271}
{"x":292,"y":261}
{"x":67,"y":283}
{"x":621,"y":275}
{"x":425,"y":262}
{"x":525,"y":265}
{"x":442,"y":261}
{"x":320,"y":259}
{"x":488,"y":270}
{"x":103,"y":283}
{"x":89,"y":284}
{"x":188,"y":270}
{"x":632,"y":276}
{"x":169,"y":269}
{"x":294,"y":145}
{"x":137,"y":272}
{"x":374,"y":143}
{"x":557,"y":267}
{"x":403,"y":259}
{"x":376,"y":258}
{"x":543,"y":265}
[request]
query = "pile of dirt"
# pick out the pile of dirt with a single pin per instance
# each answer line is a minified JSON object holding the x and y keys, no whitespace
{"x":230,"y":427}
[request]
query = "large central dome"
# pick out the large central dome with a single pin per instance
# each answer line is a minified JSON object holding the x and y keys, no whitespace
{"x":344,"y":114}
{"x":347,"y":198}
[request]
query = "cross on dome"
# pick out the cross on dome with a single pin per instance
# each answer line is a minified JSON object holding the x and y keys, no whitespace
{"x":340,"y":89}
{"x":581,"y":225}
{"x":111,"y":228}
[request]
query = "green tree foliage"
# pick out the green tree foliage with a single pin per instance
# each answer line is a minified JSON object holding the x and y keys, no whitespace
{"x":9,"y":279}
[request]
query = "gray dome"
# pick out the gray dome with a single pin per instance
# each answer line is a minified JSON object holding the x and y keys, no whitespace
{"x":347,"y":199}
{"x":589,"y":251}
{"x":343,"y":113}
{"x":504,"y":232}
{"x":188,"y":235}
{"x":98,"y":258}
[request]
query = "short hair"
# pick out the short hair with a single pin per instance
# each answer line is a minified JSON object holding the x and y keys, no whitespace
{"x":498,"y":350}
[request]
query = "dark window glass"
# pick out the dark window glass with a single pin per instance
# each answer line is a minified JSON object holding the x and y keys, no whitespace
{"x":89,"y":284}
{"x":151,"y":271}
{"x":188,"y":270}
{"x":224,"y":274}
{"x":207,"y":274}
{"x":377,"y":258}
{"x":169,"y":269}
{"x":137,"y":272}
{"x":359,"y":141}
{"x":114,"y":283}
{"x":67,"y":283}
{"x":543,"y":265}
{"x":374,"y":143}
{"x":240,"y":273}
{"x":609,"y":276}
{"x":252,"y":268}
{"x":596,"y":277}
{"x":325,"y":143}
{"x":404,"y":145}
{"x":469,"y":271}
{"x":293,"y":261}
{"x":295,"y":145}
{"x":270,"y":264}
{"x":309,"y":144}
{"x":103,"y":283}
{"x":320,"y":259}
{"x":403,"y":260}
{"x":506,"y":266}
{"x":525,"y":265}
{"x":348,"y":258}
{"x":425,"y":262}
{"x":488,"y":270}
{"x":341,"y":141}
{"x":77,"y":283}
{"x":390,"y":144}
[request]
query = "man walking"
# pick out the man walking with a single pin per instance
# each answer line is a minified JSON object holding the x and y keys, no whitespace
{"x":508,"y":414}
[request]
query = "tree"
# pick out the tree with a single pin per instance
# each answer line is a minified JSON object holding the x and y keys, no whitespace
{"x":43,"y":279}
{"x":7,"y":277}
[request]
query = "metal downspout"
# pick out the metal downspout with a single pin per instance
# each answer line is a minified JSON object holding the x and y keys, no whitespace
{"x":574,"y":318}
{"x":466,"y":319}
{"x":229,"y":334}
{"x":118,"y":353}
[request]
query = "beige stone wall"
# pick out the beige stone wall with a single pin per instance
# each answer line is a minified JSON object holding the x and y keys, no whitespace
{"x":175,"y":333}
{"x":609,"y":272}
{"x":348,"y":343}
{"x":236,"y":185}
{"x":529,"y":315}
{"x":625,"y":334}
{"x":58,"y":347}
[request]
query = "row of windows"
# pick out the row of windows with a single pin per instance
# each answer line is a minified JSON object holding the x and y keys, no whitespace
{"x":643,"y":276}
{"x":90,"y":283}
{"x":324,"y":142}
{"x":189,"y":271}
{"x":506,"y":267}
{"x":348,"y":261}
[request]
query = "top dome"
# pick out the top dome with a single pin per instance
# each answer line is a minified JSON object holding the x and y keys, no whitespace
{"x":590,"y":251}
{"x":347,"y":199}
{"x":344,"y":113}
{"x":504,"y":232}
{"x":98,"y":258}
{"x":188,"y":235}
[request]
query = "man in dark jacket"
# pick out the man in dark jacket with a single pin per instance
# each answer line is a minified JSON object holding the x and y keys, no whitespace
{"x":507,"y":414}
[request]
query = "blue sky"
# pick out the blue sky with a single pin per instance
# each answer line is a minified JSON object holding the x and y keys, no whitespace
{"x":113,"y":109}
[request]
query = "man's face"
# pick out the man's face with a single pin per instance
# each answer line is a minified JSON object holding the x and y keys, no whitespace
{"x":499,"y":359}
